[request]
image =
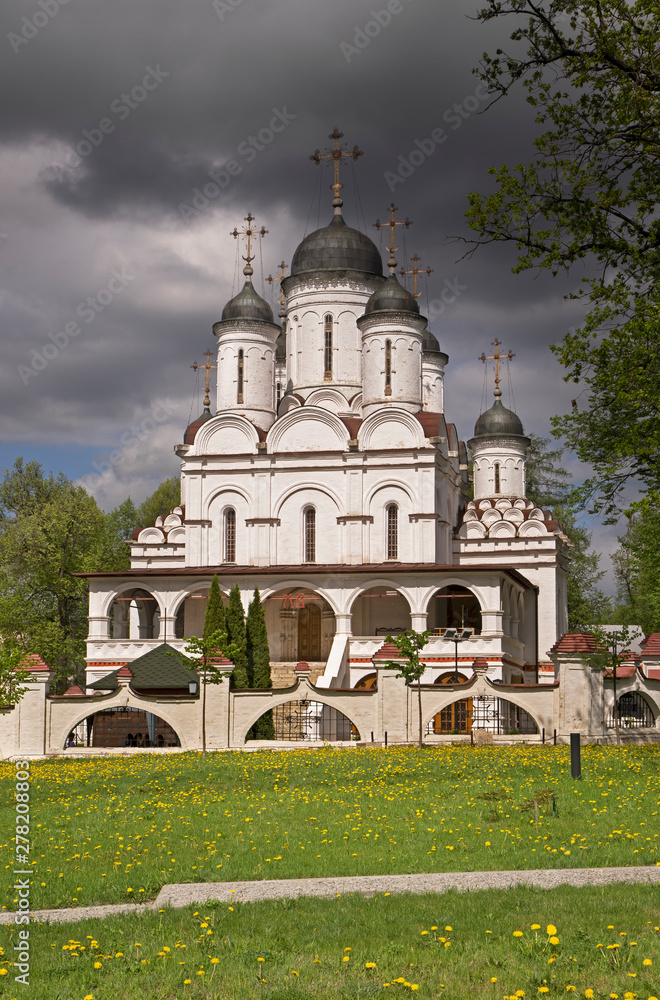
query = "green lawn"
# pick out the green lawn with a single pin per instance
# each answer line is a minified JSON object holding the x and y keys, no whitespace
{"x":117,"y":829}
{"x":455,"y":946}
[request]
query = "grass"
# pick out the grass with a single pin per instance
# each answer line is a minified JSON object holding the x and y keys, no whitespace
{"x":112,"y":830}
{"x":489,"y":944}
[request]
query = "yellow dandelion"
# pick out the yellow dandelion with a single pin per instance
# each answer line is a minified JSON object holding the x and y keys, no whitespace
{"x":551,"y":929}
{"x":98,"y":965}
{"x":517,"y":933}
{"x":647,"y":961}
{"x":553,"y":940}
{"x":370,"y":965}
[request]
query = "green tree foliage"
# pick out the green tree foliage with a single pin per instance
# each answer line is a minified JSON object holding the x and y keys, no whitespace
{"x":637,"y":568}
{"x":50,"y":530}
{"x":13,"y":675}
{"x":548,"y":486}
{"x":160,"y":503}
{"x":235,"y":624}
{"x":215,"y":619}
{"x":590,"y":198}
{"x":115,"y":553}
{"x":258,"y":656}
{"x":119,"y":526}
{"x":410,"y":644}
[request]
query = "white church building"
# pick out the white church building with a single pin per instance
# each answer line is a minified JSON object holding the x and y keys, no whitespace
{"x":329,"y":477}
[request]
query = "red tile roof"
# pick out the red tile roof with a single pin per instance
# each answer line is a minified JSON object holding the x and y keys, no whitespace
{"x":623,"y":670}
{"x":34,"y":664}
{"x":388,"y":651}
{"x":578,"y":642}
{"x":651,"y":645}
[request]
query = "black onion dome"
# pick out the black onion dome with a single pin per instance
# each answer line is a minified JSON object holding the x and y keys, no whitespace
{"x":430,"y":343}
{"x":337,"y":247}
{"x":498,"y":422}
{"x":391,"y":297}
{"x":248,"y":305}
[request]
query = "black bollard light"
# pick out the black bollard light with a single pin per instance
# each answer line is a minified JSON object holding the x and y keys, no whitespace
{"x":576,"y":769}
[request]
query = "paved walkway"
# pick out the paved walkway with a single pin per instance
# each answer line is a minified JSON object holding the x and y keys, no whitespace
{"x":184,"y":894}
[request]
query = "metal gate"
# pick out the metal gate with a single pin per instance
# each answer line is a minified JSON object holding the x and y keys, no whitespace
{"x":300,"y":721}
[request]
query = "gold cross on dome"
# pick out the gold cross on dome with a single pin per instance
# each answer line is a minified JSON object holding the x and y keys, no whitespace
{"x":392,"y":224}
{"x":415,"y":271}
{"x":496,"y":357}
{"x":249,"y":234}
{"x":270,"y":279}
{"x":336,"y":155}
{"x":207,"y":369}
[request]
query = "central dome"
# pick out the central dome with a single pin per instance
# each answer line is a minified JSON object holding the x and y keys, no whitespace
{"x":337,"y":247}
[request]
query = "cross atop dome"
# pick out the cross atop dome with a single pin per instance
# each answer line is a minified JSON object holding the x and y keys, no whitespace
{"x":416,"y":271}
{"x":496,"y":357}
{"x":207,"y":369}
{"x":392,"y":224}
{"x":270,"y":279}
{"x":337,"y":155}
{"x":248,"y":233}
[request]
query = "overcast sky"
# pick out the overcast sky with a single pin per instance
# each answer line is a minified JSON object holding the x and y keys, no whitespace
{"x":114,"y":268}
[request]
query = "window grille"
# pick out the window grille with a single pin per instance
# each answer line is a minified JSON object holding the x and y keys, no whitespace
{"x":241,"y":377}
{"x":392,"y":531}
{"x":327,"y":350}
{"x":388,"y":367}
{"x":497,"y":477}
{"x":230,"y":536}
{"x":310,"y":535}
{"x":634,"y":712}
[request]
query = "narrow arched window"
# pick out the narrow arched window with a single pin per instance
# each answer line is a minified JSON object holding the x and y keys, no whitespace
{"x":309,"y":528}
{"x":278,"y":394}
{"x":392,"y":512}
{"x":497,"y":477}
{"x":240,"y":377}
{"x":229,"y":555}
{"x":327,"y":348}
{"x":388,"y":367}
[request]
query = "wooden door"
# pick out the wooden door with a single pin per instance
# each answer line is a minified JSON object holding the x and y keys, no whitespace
{"x":457,"y":717}
{"x":309,"y":633}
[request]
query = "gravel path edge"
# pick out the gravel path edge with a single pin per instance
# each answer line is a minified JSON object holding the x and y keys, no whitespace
{"x":185,"y":894}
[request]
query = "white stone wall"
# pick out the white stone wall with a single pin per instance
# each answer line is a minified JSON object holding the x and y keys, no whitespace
{"x":309,"y":301}
{"x":510,"y":453}
{"x":433,"y":383}
{"x":257,"y":341}
{"x":404,"y":334}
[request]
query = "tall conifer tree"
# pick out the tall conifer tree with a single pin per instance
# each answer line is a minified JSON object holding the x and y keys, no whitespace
{"x":215,"y":618}
{"x":258,"y":655}
{"x":235,"y":624}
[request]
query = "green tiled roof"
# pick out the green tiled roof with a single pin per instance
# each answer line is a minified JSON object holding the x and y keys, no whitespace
{"x":160,"y":668}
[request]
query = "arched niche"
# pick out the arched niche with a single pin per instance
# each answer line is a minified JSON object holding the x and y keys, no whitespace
{"x":380,"y":611}
{"x":123,"y":727}
{"x":300,"y":624}
{"x":454,"y":606}
{"x":134,"y":614}
{"x":189,"y":614}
